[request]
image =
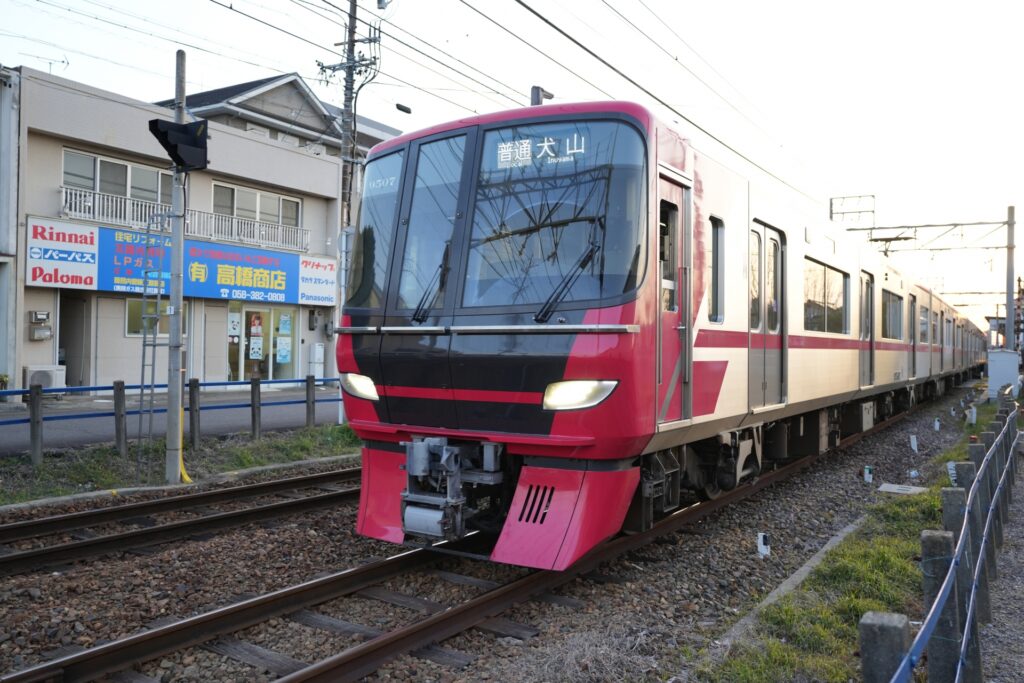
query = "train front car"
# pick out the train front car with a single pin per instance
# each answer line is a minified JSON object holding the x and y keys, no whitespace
{"x":497,"y":343}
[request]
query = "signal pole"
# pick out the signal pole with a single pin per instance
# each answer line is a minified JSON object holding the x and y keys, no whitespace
{"x":1011,"y":313}
{"x":172,"y":461}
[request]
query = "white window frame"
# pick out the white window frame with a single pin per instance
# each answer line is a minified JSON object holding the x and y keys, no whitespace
{"x":97,"y":158}
{"x":186,"y":310}
{"x":259,"y":194}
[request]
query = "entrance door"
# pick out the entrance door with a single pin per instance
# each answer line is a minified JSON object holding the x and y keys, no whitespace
{"x":766,"y":354}
{"x":674,"y":333}
{"x":911,"y":334}
{"x":256,"y":333}
{"x":942,"y":341}
{"x":867,"y":330}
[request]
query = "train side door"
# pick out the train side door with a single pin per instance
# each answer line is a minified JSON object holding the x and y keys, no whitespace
{"x":912,"y":333}
{"x":766,"y":354}
{"x":942,"y":341}
{"x":867,"y":329}
{"x":674,"y":332}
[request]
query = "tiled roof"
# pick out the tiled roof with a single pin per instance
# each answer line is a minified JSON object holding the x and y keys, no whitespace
{"x":203,"y":99}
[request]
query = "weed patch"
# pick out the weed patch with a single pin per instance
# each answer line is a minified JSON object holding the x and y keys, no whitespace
{"x":102,"y":467}
{"x":811,"y":634}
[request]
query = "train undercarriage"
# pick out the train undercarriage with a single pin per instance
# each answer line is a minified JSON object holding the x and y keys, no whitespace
{"x":451,"y":488}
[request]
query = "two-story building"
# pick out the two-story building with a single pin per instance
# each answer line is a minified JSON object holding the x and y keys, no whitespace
{"x":84,"y":199}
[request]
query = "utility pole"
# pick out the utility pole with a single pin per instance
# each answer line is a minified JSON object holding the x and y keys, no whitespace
{"x":172,"y":462}
{"x":348,"y":117}
{"x":1011,"y":312}
{"x":353,"y":65}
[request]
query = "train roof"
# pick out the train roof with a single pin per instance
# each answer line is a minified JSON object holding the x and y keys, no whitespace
{"x":637,"y":111}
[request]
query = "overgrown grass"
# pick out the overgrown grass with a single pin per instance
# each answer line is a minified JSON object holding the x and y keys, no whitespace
{"x":811,"y":633}
{"x":101,"y":467}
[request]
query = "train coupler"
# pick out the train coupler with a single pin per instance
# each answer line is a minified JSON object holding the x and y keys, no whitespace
{"x":442,"y":479}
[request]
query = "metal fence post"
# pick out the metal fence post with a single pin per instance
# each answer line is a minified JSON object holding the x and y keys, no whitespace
{"x":1004,"y":495}
{"x":965,"y":474}
{"x":944,"y":646}
{"x":193,"y":413}
{"x":884,"y":639}
{"x":984,"y":499}
{"x":954,"y":505}
{"x":120,"y":422}
{"x":35,"y":416}
{"x":254,"y":393}
{"x":989,"y":438}
{"x":310,"y":401}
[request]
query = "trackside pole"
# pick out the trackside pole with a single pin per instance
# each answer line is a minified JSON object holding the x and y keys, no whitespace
{"x":886,"y":637}
{"x":965,"y":474}
{"x":954,"y":505}
{"x":944,"y":646}
{"x":175,"y":379}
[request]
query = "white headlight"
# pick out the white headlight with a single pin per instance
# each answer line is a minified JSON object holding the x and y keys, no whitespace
{"x":577,"y":393}
{"x":359,"y":386}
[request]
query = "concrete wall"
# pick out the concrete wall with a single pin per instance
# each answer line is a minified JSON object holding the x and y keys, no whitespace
{"x":38,"y":352}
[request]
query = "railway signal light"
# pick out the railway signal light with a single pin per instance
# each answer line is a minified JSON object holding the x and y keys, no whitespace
{"x":185,"y":143}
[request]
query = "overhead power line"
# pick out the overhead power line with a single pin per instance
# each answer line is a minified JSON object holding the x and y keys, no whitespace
{"x":537,"y":50}
{"x":683,"y":66}
{"x":392,"y":23}
{"x":176,"y":41}
{"x":334,"y":52}
{"x":656,"y":98}
{"x":305,"y":4}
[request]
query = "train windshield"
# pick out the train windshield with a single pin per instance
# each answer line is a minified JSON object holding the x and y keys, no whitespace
{"x":558,"y":215}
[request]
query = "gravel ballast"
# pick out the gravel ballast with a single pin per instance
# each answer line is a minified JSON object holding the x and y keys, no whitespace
{"x":671,"y":598}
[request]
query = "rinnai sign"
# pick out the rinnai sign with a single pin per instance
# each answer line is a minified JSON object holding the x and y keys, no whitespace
{"x":61,"y":255}
{"x":74,"y":256}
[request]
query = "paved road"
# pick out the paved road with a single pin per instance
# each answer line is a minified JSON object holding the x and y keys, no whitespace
{"x":66,"y":433}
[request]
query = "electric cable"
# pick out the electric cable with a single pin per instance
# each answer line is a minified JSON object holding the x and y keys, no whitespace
{"x":657,"y":99}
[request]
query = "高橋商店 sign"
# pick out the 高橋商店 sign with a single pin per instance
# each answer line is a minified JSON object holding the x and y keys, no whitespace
{"x":78,"y":256}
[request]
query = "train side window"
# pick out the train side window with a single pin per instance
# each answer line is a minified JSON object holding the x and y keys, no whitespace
{"x":714,"y":267}
{"x":826,"y":293}
{"x":772,"y":284}
{"x":668,"y":224}
{"x":755,"y":281}
{"x":923,"y":325}
{"x":892,"y":315}
{"x":935,"y":327}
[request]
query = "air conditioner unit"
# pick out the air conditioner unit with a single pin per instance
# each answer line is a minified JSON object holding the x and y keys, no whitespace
{"x":49,"y":376}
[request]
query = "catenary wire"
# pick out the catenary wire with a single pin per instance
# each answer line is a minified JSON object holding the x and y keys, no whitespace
{"x":683,"y":66}
{"x":305,"y":6}
{"x":537,"y":50}
{"x":508,"y":87}
{"x":653,"y":96}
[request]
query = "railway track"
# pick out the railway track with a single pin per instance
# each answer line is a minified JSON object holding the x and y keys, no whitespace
{"x":301,"y":494}
{"x":213,"y":630}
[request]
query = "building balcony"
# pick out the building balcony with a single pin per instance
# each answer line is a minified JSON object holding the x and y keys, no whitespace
{"x":136,"y":213}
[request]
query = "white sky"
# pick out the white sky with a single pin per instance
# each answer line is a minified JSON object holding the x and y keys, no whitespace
{"x":918,"y":103}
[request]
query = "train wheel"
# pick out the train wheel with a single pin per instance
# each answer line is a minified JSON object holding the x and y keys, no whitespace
{"x":710,"y":490}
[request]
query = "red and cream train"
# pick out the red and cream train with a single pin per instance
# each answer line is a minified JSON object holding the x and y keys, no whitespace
{"x":559,"y":317}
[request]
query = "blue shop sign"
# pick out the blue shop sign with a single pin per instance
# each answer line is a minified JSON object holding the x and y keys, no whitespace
{"x":129,"y":261}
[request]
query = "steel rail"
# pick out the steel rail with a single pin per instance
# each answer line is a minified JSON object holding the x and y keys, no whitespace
{"x":32,"y":528}
{"x":362,"y":660}
{"x":66,"y":552}
{"x":120,"y":654}
{"x":368,"y":657}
